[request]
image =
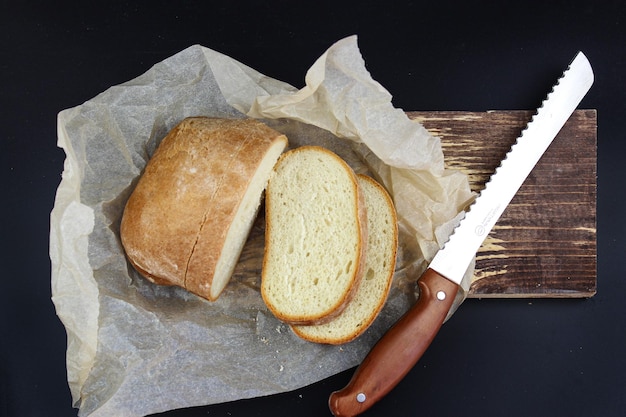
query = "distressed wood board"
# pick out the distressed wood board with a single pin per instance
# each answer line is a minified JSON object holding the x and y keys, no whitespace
{"x":544,"y":245}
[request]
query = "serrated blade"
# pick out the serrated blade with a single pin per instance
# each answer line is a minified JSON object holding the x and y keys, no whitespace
{"x":405,"y":342}
{"x":453,"y":260}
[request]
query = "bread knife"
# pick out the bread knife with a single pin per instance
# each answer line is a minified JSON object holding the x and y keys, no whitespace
{"x":393,"y":356}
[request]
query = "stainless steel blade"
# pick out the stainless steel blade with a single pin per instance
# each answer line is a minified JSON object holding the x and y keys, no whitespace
{"x":453,"y":260}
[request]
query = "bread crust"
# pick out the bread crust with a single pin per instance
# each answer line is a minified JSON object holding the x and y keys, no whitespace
{"x":176,"y":220}
{"x":360,"y":213}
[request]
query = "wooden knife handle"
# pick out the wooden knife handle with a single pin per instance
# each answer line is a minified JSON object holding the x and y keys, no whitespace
{"x":399,"y":349}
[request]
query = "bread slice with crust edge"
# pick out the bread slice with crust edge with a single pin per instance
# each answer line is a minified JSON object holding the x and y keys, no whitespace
{"x":315,"y":236}
{"x":379,"y":269}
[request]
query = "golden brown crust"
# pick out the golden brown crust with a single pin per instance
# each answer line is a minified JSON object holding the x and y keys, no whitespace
{"x":176,"y":219}
{"x":361,"y":216}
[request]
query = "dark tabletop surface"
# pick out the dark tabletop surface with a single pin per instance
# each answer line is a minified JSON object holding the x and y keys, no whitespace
{"x":551,"y":357}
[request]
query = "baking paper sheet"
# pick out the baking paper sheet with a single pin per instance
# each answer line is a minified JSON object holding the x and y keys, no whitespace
{"x":135,"y":348}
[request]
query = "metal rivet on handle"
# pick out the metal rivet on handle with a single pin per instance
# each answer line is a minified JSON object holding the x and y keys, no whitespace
{"x":441,"y":295}
{"x":360,"y":397}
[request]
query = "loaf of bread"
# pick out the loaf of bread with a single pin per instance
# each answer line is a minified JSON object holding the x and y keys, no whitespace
{"x":315,"y":236}
{"x":382,"y":231}
{"x":191,"y":212}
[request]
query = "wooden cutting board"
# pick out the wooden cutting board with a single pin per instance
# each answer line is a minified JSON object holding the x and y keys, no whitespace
{"x":544,"y":245}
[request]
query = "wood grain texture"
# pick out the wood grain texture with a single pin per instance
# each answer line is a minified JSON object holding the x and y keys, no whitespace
{"x":544,"y":245}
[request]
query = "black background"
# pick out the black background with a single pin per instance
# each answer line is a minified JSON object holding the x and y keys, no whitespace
{"x":494,"y":357}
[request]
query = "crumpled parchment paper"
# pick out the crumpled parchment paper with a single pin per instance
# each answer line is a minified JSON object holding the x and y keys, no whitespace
{"x":135,"y":348}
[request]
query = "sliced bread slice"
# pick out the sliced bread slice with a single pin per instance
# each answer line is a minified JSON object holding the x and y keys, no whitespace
{"x":379,"y":268}
{"x":315,"y":237}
